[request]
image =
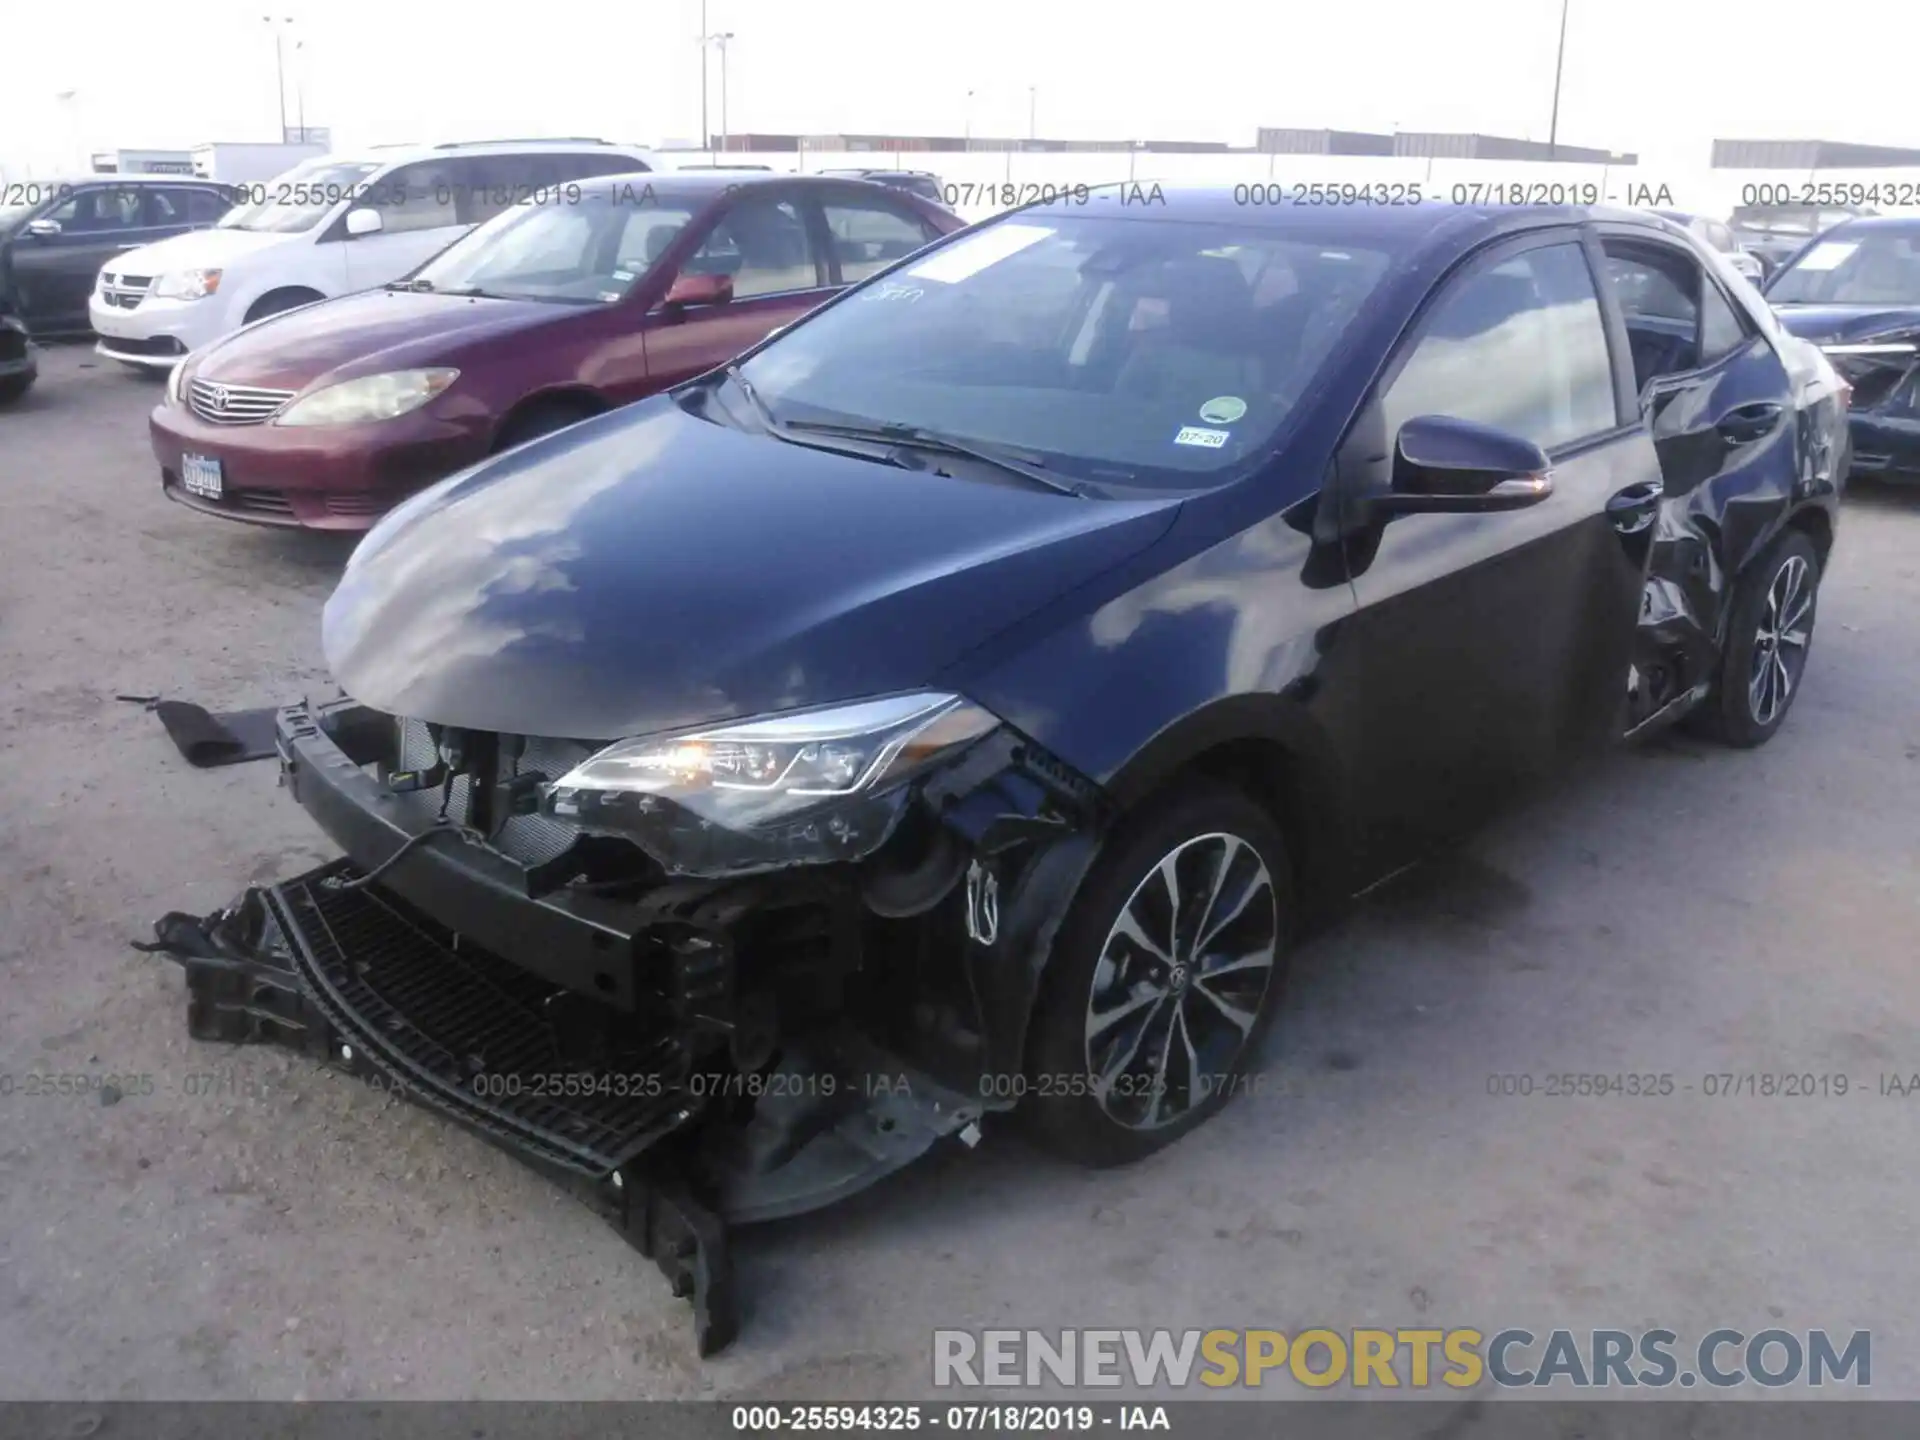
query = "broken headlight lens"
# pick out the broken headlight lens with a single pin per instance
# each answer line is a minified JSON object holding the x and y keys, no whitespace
{"x":806,"y":788}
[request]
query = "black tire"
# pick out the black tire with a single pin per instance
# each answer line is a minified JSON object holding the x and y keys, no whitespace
{"x":1065,"y":1106}
{"x":14,"y":386}
{"x":278,"y":302}
{"x":538,"y":420}
{"x":1745,"y":708}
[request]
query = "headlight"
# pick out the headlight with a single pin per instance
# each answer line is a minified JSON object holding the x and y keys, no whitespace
{"x":372,"y":397}
{"x":806,"y":788}
{"x":176,"y":383}
{"x":187,"y":284}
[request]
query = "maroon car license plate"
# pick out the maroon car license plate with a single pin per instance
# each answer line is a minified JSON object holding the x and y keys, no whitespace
{"x":200,"y":474}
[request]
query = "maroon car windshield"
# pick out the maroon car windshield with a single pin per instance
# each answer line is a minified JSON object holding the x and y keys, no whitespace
{"x":589,"y":250}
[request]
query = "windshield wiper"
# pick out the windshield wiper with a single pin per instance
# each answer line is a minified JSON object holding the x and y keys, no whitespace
{"x":1027,"y":466}
{"x":774,"y":424}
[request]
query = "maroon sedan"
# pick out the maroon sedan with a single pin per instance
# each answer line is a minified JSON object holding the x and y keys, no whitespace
{"x":329,"y":415}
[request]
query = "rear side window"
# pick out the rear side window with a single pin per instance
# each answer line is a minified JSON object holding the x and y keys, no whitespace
{"x":764,"y":245}
{"x":1519,"y":345}
{"x":869,"y":235}
{"x":1721,"y":330}
{"x":1677,"y":319}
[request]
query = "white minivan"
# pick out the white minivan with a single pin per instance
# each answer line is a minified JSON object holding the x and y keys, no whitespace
{"x":327,"y":227}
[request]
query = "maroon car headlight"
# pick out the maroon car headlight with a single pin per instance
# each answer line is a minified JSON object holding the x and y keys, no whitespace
{"x":371,"y":397}
{"x":808,"y":787}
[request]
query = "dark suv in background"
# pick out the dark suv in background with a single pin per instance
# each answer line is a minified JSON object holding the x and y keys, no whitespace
{"x":56,"y":234}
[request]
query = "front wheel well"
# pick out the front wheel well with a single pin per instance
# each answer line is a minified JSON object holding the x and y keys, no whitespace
{"x":287,"y":297}
{"x":574,"y":404}
{"x":1280,"y":782}
{"x":1817,"y":525}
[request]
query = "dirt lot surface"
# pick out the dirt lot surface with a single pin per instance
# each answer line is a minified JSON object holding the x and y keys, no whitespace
{"x":258,"y":1227}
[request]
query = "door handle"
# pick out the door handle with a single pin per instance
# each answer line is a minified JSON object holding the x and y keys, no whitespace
{"x":1749,"y":422}
{"x":1633,"y":509}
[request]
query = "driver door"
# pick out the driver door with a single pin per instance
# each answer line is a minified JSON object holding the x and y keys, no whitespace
{"x":1489,"y":650}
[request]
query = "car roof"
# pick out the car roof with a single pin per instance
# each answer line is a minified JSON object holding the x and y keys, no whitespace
{"x":1897,"y":223}
{"x":1403,"y":227}
{"x":704,"y":183}
{"x":112,"y":177}
{"x":407,"y":152}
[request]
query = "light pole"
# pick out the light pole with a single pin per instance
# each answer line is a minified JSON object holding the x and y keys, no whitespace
{"x":1559,"y":59}
{"x":706,"y":137}
{"x":967,"y":132}
{"x":720,"y":43}
{"x":70,"y":102}
{"x":280,"y":64}
{"x":1033,"y":102}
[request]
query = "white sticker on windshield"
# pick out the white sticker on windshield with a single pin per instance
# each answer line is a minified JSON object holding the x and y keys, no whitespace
{"x":1200,"y":435}
{"x":976,"y":253}
{"x":1223,"y":410}
{"x":1827,"y":255}
{"x":623,"y":274}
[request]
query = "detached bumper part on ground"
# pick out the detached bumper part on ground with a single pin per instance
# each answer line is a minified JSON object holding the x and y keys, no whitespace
{"x":683,"y":1054}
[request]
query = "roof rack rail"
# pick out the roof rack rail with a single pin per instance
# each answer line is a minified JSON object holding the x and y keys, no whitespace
{"x":526,"y":140}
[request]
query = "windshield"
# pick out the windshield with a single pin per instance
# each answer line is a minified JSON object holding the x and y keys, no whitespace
{"x":1853,"y":267}
{"x":592,"y":249}
{"x":297,"y":200}
{"x":1142,"y":352}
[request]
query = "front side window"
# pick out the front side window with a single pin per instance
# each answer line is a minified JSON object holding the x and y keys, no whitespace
{"x":98,"y":208}
{"x":592,"y":249}
{"x":1853,"y":267}
{"x":764,"y":245}
{"x":1144,"y":352}
{"x":1519,"y":345}
{"x":869,"y":235}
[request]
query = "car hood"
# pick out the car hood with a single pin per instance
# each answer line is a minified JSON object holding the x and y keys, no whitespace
{"x":1833,"y":324}
{"x":366,"y":333}
{"x":196,"y":250}
{"x":648,"y":570}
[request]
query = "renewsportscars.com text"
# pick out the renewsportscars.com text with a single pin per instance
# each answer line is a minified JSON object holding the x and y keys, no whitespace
{"x":1417,"y":1359}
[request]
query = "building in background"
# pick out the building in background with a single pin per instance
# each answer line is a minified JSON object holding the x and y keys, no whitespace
{"x":1439,"y":145}
{"x":142,"y":162}
{"x":1808,"y":155}
{"x":1321,"y":142}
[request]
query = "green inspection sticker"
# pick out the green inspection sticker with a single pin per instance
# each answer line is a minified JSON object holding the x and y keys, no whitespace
{"x":1223,"y":409}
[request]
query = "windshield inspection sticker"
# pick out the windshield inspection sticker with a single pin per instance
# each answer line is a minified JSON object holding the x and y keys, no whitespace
{"x":1199,"y":435}
{"x":1223,"y":409}
{"x":1828,"y":254}
{"x":971,"y":256}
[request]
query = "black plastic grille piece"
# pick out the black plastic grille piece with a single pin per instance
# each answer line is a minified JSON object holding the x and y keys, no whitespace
{"x":528,"y":839}
{"x":470,"y":1029}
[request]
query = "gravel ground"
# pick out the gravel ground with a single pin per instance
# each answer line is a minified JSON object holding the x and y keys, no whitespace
{"x":1681,"y":910}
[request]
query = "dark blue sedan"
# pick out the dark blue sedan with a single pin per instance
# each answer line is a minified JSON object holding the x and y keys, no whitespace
{"x":959,"y":702}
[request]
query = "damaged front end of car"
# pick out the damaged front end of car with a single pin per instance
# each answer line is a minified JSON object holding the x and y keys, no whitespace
{"x":710,"y":979}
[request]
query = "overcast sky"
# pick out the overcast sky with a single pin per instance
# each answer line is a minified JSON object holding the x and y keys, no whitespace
{"x":1659,"y":76}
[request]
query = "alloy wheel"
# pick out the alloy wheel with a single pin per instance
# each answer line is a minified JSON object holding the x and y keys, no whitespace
{"x":1780,"y":646}
{"x":1181,"y":981}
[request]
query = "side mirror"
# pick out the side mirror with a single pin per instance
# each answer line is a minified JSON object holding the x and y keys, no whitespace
{"x":1451,"y":466}
{"x":364,"y":221}
{"x":43,"y":227}
{"x":700,"y":290}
